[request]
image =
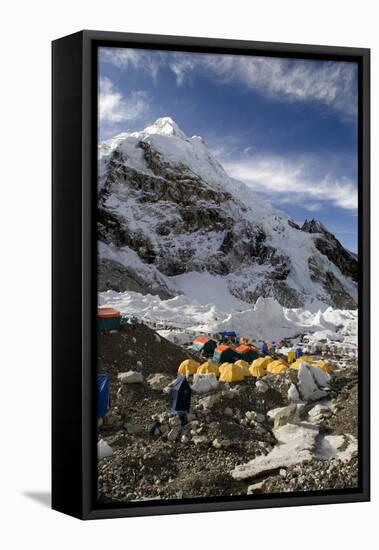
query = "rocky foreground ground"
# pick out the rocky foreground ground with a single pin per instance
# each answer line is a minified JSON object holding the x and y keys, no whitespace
{"x":243,"y":438}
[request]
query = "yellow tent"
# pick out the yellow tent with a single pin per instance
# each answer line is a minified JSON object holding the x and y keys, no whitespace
{"x":241,"y":364}
{"x":324,"y":365}
{"x":231,"y":373}
{"x":302,"y":359}
{"x":222,"y":367}
{"x":208,"y":368}
{"x":262,"y":362}
{"x":291,"y":357}
{"x":257,"y":370}
{"x":277,"y":367}
{"x":188,"y":367}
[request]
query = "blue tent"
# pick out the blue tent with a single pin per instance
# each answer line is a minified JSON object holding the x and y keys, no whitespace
{"x":298,"y":353}
{"x":102,"y":395}
{"x":180,"y":395}
{"x":228,"y":334}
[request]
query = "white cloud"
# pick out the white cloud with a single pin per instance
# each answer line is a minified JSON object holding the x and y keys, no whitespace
{"x":124,"y":58}
{"x":182,"y":67}
{"x":328,"y":82}
{"x":292,"y":80}
{"x":114,"y":107}
{"x":301,"y":181}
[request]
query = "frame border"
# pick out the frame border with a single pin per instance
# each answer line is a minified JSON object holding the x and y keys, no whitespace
{"x":74,"y":488}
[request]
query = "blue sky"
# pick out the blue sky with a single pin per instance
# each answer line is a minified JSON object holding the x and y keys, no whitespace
{"x":287,"y":128}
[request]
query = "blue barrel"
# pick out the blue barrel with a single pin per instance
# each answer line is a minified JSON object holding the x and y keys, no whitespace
{"x":102,"y":395}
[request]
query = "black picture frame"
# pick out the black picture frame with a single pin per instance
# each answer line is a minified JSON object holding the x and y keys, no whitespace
{"x":74,"y":137}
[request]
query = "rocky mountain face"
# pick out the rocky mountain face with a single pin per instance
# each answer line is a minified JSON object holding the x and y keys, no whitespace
{"x":166,"y":208}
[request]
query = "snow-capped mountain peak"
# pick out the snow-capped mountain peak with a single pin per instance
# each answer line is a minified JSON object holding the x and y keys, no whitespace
{"x":165,"y":126}
{"x":167,"y":209}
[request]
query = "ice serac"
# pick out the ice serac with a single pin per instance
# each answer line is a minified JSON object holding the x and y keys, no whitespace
{"x":169,"y":213}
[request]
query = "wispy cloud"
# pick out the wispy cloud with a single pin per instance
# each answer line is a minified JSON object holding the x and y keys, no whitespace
{"x":286,"y":80}
{"x":125,"y":58}
{"x":331,"y":83}
{"x":302,"y":181}
{"x":183,"y":66}
{"x":114,"y":107}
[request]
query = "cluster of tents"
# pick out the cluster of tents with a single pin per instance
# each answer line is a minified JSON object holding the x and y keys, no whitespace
{"x":227,"y":348}
{"x":238,"y":370}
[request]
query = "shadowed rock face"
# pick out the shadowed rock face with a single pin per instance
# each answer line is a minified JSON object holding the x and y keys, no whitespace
{"x":185,"y":224}
{"x":328,"y":245}
{"x":112,"y":275}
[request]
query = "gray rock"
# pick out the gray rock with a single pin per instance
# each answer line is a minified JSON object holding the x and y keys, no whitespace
{"x":286,"y":415}
{"x":200,"y":439}
{"x":175,"y":421}
{"x":130,"y":377}
{"x":293,"y":395}
{"x":158,"y":381}
{"x":261,"y":386}
{"x":255,"y":488}
{"x":132,"y":428}
{"x":173,"y":434}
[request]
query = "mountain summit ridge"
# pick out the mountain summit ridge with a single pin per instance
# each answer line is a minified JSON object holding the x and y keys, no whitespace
{"x":168,"y":208}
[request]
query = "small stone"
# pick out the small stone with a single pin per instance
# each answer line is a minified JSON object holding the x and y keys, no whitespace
{"x":255,"y":488}
{"x":261,"y":386}
{"x":175,"y":421}
{"x":228,"y":411}
{"x":173,"y":434}
{"x":200,"y":440}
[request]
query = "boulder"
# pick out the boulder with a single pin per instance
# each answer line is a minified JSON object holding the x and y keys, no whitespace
{"x":130,"y":377}
{"x":309,"y":387}
{"x":208,"y":402}
{"x":103,"y":450}
{"x":204,"y":383}
{"x":158,"y":381}
{"x":319,"y":412}
{"x":293,"y":394}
